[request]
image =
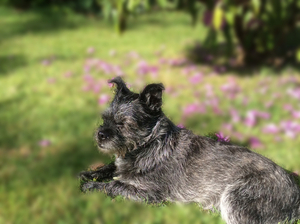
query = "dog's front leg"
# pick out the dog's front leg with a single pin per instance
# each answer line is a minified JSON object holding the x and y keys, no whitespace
{"x":103,"y":173}
{"x":116,"y":188}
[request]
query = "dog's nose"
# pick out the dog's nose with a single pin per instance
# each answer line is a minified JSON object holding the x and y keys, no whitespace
{"x":102,"y":135}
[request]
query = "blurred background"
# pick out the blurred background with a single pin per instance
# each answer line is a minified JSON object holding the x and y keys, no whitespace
{"x":229,"y":67}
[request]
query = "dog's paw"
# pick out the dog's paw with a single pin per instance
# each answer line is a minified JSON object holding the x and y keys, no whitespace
{"x":92,"y":185}
{"x":88,"y":186}
{"x":85,"y":176}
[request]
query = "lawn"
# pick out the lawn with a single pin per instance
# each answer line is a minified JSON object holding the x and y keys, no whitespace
{"x":53,"y":73}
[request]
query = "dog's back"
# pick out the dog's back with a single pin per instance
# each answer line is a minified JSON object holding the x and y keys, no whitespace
{"x":244,"y":186}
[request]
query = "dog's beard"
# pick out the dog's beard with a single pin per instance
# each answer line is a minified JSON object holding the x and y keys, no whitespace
{"x":115,"y":146}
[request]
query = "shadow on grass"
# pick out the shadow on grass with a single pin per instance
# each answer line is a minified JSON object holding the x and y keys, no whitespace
{"x":161,"y":19}
{"x":33,"y":163}
{"x":37,"y":21}
{"x":68,"y":162}
{"x":73,"y":159}
{"x":11,"y":62}
{"x":221,"y":61}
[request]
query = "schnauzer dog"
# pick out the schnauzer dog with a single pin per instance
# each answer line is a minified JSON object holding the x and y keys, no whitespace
{"x":157,"y":161}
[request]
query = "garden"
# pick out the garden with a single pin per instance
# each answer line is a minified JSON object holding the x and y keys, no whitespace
{"x":54,"y":66}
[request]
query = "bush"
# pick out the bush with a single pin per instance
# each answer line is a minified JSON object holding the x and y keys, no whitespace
{"x":266,"y":30}
{"x":76,"y":5}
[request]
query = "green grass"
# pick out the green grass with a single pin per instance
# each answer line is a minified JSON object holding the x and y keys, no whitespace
{"x":39,"y":184}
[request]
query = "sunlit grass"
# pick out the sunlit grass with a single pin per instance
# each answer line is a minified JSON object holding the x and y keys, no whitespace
{"x":39,"y":102}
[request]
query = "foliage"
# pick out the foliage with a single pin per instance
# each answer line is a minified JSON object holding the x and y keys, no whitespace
{"x":76,"y":5}
{"x":49,"y":109}
{"x":118,"y":11}
{"x":263,"y":29}
{"x":254,"y":31}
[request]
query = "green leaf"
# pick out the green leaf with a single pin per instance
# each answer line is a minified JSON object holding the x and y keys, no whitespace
{"x":165,"y":4}
{"x":298,"y":55}
{"x":229,"y":16}
{"x":256,"y":6}
{"x":249,"y":15}
{"x":218,"y":16}
{"x":107,"y":10}
{"x":132,"y":4}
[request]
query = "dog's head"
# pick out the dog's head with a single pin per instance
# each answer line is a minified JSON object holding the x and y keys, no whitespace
{"x":131,"y":119}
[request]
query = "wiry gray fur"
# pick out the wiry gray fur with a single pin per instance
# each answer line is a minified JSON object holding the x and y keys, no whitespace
{"x":157,"y":161}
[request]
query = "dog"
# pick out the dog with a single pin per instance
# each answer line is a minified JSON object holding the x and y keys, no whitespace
{"x":157,"y":161}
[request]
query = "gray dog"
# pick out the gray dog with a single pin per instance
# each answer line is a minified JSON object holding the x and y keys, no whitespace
{"x":157,"y":161}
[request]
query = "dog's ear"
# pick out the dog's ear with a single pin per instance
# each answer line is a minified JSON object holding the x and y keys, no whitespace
{"x":151,"y":96}
{"x":121,"y":86}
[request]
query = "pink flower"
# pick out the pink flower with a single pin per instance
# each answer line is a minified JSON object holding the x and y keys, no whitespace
{"x":116,"y":70}
{"x":252,"y":115}
{"x":88,"y":78}
{"x":105,"y":67}
{"x":263,"y":89}
{"x":103,"y":99}
{"x":188,"y":69}
{"x":90,"y":50}
{"x":46,"y":62}
{"x":227,"y":126}
{"x":197,"y":78}
{"x":294,"y":93}
{"x":86,"y":87}
{"x":217,"y":110}
{"x":86,"y":68}
{"x":263,"y":115}
{"x":68,"y":74}
{"x":286,"y":80}
{"x":44,"y":143}
{"x":296,"y":114}
{"x":51,"y":80}
{"x":277,"y":139}
{"x":209,"y":90}
{"x":255,"y":143}
{"x":270,"y":129}
{"x":177,"y":62}
{"x":276,"y":96}
{"x":250,"y":119}
{"x":238,"y":136}
{"x":163,"y":61}
{"x":170,"y":90}
{"x":288,"y":107}
{"x":214,"y":101}
{"x":231,"y":89}
{"x":133,"y":55}
{"x":245,"y":101}
{"x":269,"y":104}
{"x":291,"y":128}
{"x":193,"y":108}
{"x":235,"y":117}
{"x":97,"y":87}
{"x":143,"y":69}
{"x":222,"y":138}
{"x":180,"y":126}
